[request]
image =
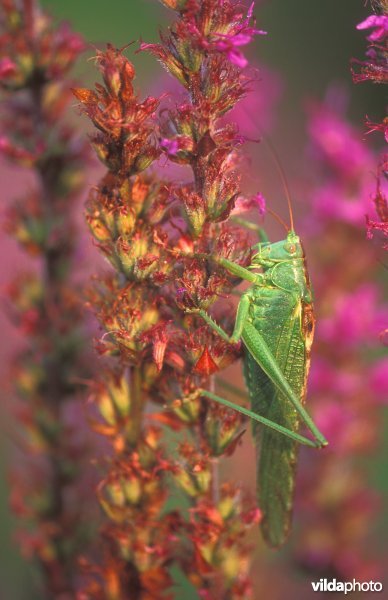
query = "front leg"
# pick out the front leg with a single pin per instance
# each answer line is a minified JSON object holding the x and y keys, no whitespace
{"x":243,"y":307}
{"x":241,"y":317}
{"x":238,"y":270}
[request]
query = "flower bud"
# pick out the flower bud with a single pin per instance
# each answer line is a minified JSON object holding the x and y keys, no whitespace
{"x":232,"y":563}
{"x":126,"y":222}
{"x":170,"y":62}
{"x":97,"y":227}
{"x":187,"y":410}
{"x":227,"y":506}
{"x":132,"y":489}
{"x":106,"y":408}
{"x":119,"y":391}
{"x":194,"y":481}
{"x":144,"y":266}
{"x":143,"y":161}
{"x":223,"y":431}
{"x":113,"y":399}
{"x":115,"y":493}
{"x":101,"y":150}
{"x":195,"y":211}
{"x":28,"y":379}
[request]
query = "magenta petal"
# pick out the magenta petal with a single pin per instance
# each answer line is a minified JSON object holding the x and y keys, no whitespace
{"x":170,"y":146}
{"x":260,"y":203}
{"x":374,"y":21}
{"x":240,"y":39}
{"x":378,"y":21}
{"x":237,"y":58}
{"x":250,"y":11}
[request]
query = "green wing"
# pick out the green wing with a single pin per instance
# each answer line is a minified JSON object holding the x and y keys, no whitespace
{"x":278,"y":317}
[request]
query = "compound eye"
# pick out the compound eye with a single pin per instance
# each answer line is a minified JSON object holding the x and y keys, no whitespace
{"x":290,"y":248}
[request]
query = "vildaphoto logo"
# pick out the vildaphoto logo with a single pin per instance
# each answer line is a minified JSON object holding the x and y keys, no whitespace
{"x":332,"y":585}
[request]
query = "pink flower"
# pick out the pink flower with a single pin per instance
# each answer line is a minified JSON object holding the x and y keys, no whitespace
{"x":380,"y":23}
{"x":338,"y":143}
{"x":328,"y":381}
{"x":170,"y":146}
{"x":230,"y":42}
{"x":375,"y":68}
{"x":255,"y":202}
{"x":334,"y":419}
{"x":347,"y":165}
{"x":357,"y":318}
{"x":373,"y":226}
{"x":240,"y":34}
{"x":260,"y":203}
{"x":7,"y":68}
{"x":337,"y":202}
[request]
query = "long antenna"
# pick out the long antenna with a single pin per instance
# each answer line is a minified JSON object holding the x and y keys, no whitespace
{"x":282,"y":174}
{"x":279,"y":219}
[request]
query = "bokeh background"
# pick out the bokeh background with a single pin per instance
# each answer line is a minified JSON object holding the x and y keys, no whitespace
{"x":308,"y":48}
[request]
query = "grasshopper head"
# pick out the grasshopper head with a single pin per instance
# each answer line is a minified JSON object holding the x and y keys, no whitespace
{"x":286,"y":250}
